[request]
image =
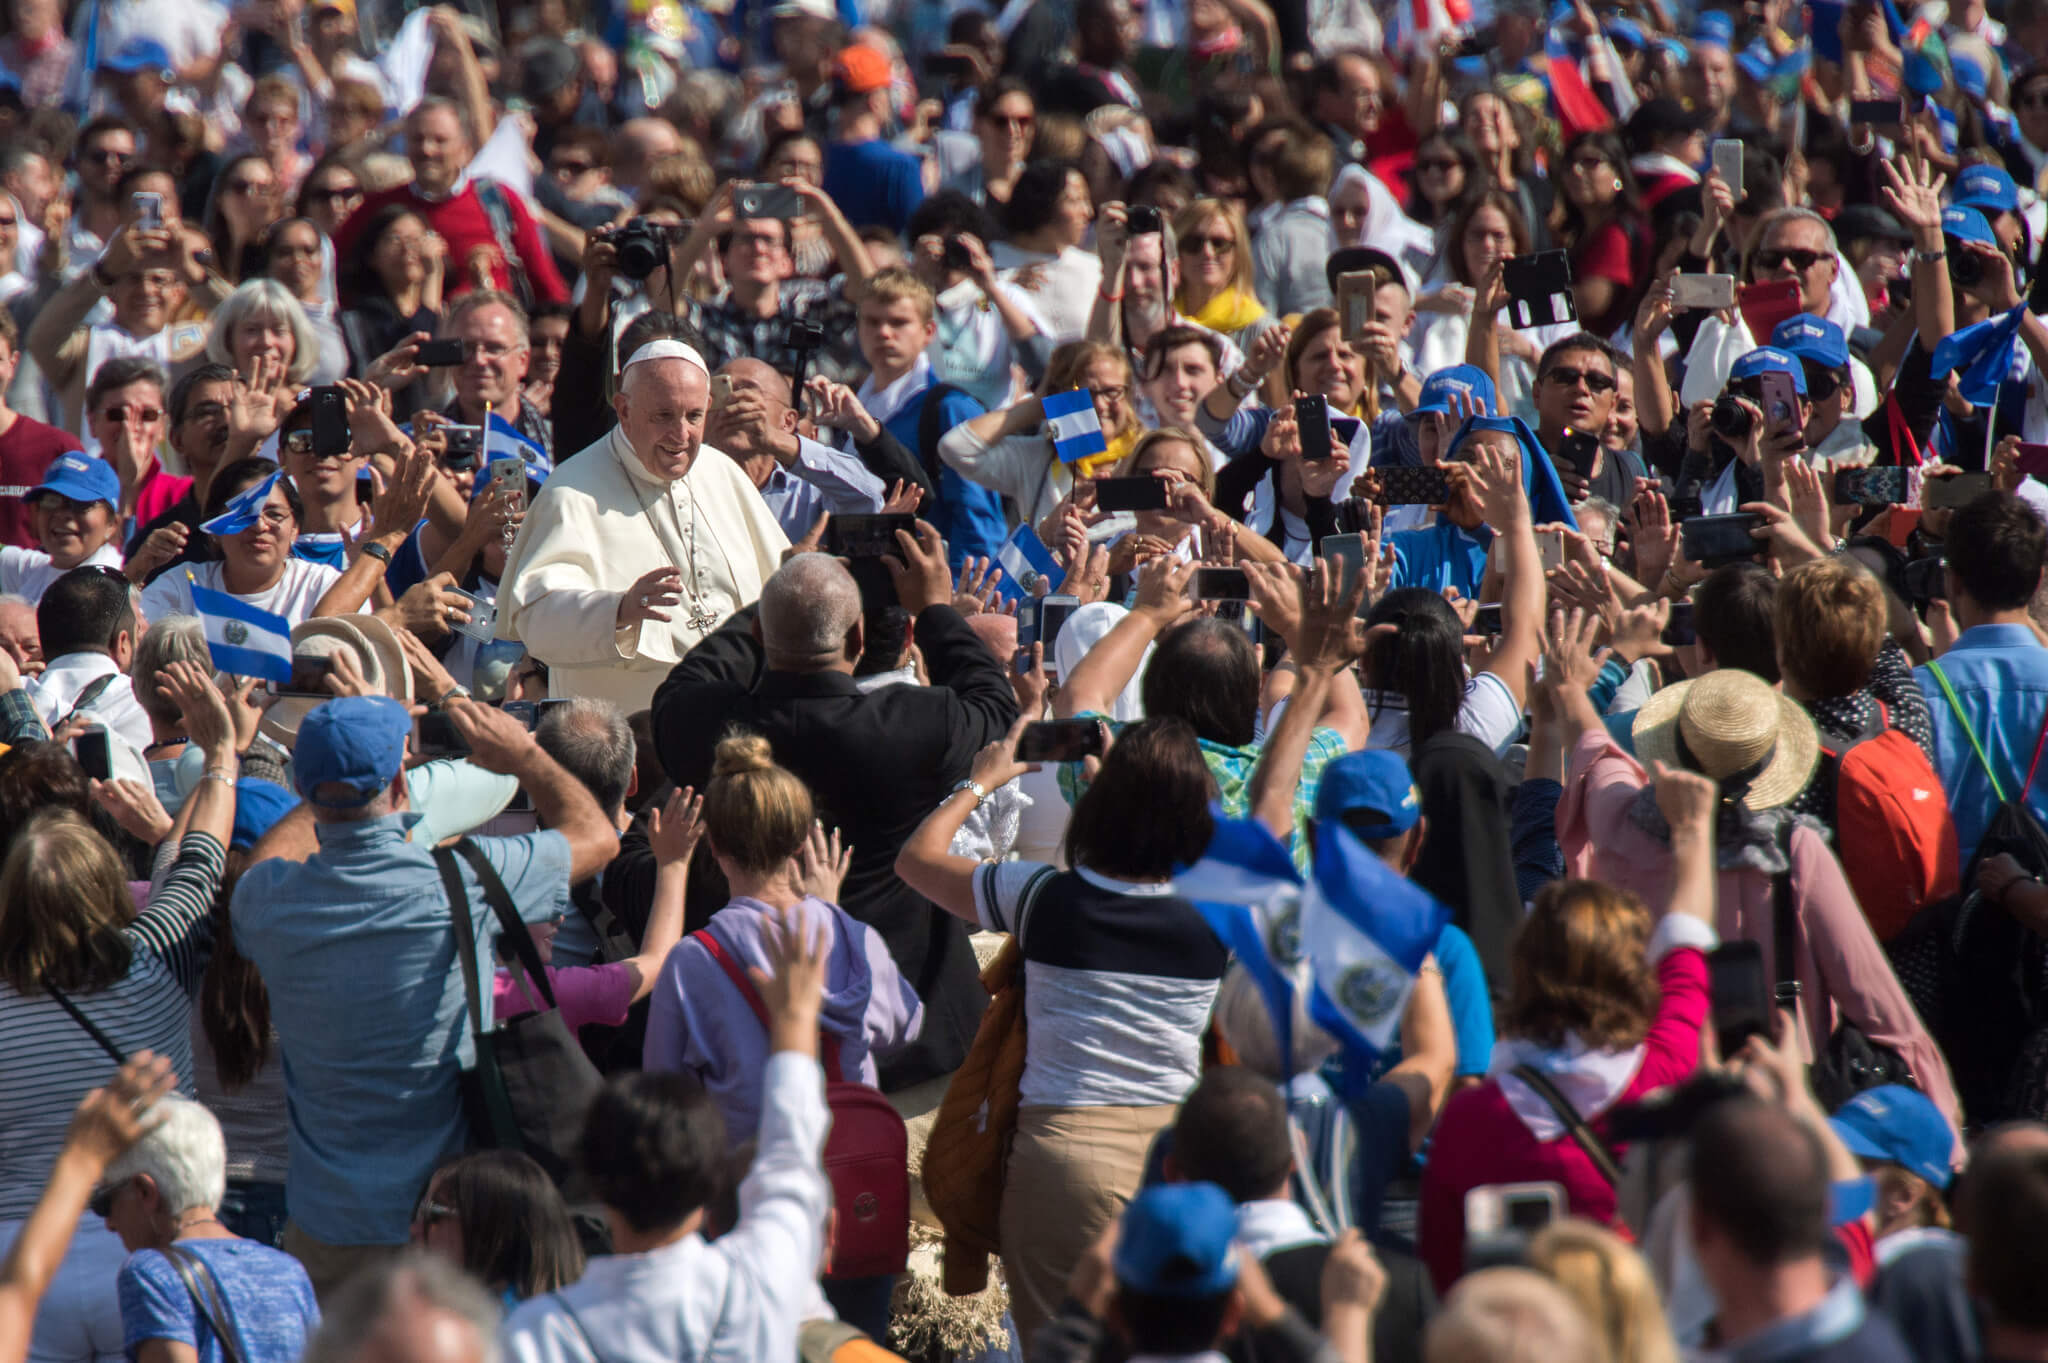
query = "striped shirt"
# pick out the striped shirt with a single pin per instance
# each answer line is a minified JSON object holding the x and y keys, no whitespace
{"x":48,"y":1063}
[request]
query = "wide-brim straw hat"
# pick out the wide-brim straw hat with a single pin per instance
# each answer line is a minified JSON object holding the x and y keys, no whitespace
{"x":371,"y":645}
{"x":1727,"y":721}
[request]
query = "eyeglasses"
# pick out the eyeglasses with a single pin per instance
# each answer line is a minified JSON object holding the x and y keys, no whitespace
{"x":1802,"y":261}
{"x":1595,"y":381}
{"x":1589,"y":162}
{"x":254,"y":188}
{"x":1013,"y":120}
{"x":107,"y":156}
{"x":1196,"y":246}
{"x":274,"y":517}
{"x":2036,"y":99}
{"x":160,"y":280}
{"x":336,"y":193}
{"x":1113,"y":394}
{"x":121,"y":411}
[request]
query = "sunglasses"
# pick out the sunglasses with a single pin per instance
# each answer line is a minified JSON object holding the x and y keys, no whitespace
{"x":1822,"y":384}
{"x":120,"y":412}
{"x":2034,"y":99}
{"x":433,"y":1214}
{"x":1195,"y":246}
{"x":106,"y":156}
{"x":1802,"y":261}
{"x":257,"y":188}
{"x":1595,"y":381}
{"x":336,"y":194}
{"x":459,"y":463}
{"x":1589,"y":163}
{"x":101,"y":1203}
{"x":1445,"y":163}
{"x":301,"y":442}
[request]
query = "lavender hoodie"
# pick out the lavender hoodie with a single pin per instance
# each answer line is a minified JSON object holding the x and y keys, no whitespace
{"x":699,"y":1023}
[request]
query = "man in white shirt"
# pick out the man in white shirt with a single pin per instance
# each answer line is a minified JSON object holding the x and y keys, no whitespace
{"x":654,"y":1148}
{"x":88,"y":625}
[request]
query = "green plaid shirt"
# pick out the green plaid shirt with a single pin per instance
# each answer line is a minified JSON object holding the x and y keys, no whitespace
{"x":1232,"y":770}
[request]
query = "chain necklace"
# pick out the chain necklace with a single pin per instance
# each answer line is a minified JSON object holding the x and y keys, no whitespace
{"x":700,"y":618}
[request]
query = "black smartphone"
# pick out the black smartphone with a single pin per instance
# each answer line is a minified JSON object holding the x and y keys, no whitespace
{"x":95,"y":752}
{"x":1412,"y":486}
{"x":1486,"y":621}
{"x":527,"y":712}
{"x":1957,"y":489}
{"x":1717,"y":540}
{"x":1222,"y":584}
{"x":1739,"y":992}
{"x":1060,"y":740}
{"x":1877,"y":112}
{"x":867,"y":536}
{"x":1871,"y":486}
{"x":309,"y":677}
{"x":441,"y":354}
{"x":953,"y":255}
{"x":1312,"y":414}
{"x":330,"y":419}
{"x":1678,"y":629}
{"x":766,"y":201}
{"x":1539,"y":289}
{"x":948,"y":66}
{"x":1578,"y":450}
{"x":1142,"y":220}
{"x":434,"y":735}
{"x":1143,"y":493}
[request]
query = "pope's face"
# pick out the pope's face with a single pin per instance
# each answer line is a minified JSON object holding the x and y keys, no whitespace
{"x":661,"y":409}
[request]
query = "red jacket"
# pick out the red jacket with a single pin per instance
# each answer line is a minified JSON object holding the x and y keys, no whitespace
{"x":463,"y":223}
{"x":1480,"y":1140}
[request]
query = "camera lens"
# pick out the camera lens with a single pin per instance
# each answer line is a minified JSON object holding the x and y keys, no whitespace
{"x":1730,"y":419}
{"x":642,"y":248}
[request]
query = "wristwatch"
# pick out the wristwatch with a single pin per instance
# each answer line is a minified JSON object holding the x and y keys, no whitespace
{"x":455,"y":692}
{"x":378,"y":552}
{"x":980,"y":791}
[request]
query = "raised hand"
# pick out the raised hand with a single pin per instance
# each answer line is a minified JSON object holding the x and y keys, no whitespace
{"x":201,"y":707}
{"x":674,"y":828}
{"x":1914,"y":196}
{"x":903,"y":500}
{"x":649,"y":594}
{"x":822,"y":863}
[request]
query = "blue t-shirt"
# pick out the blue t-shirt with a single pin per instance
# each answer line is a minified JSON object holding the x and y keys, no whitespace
{"x":1440,"y":556}
{"x":1465,"y":991}
{"x":268,"y":1298}
{"x":874,"y":184}
{"x":969,"y":516}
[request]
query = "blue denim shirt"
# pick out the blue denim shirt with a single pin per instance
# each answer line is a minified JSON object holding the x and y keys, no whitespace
{"x":358,"y":949}
{"x":2000,"y":676}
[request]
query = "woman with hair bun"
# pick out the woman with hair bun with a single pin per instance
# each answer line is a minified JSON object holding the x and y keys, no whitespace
{"x":759,"y":826}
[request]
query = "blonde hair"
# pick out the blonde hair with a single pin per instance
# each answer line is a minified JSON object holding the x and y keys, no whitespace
{"x":897,"y":283}
{"x":1133,"y":464}
{"x":63,"y":903}
{"x":1612,"y":1286}
{"x":684,"y":176}
{"x":1069,"y":367}
{"x":757,"y":814}
{"x":1198,"y":215}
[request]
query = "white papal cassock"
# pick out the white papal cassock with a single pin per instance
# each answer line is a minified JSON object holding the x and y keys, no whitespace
{"x":601,"y":523}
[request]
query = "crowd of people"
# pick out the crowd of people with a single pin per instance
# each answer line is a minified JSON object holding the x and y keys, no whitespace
{"x":852,"y":679}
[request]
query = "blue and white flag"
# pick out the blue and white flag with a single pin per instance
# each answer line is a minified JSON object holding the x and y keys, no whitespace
{"x":1247,"y":890}
{"x":502,"y":440}
{"x":244,"y":641}
{"x":1365,"y":931}
{"x":1983,"y":352}
{"x":242,"y":510}
{"x":1076,"y":429}
{"x":1025,"y":560}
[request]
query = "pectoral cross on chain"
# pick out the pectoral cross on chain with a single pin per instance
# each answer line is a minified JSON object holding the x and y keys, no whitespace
{"x":701,"y":619}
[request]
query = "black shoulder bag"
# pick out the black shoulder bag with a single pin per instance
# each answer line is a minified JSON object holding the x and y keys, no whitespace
{"x":206,"y":1295}
{"x":1588,"y":1140}
{"x":531,"y":1083}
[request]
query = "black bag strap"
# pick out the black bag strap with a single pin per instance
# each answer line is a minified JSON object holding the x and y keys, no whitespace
{"x":206,"y":1295}
{"x":465,"y":934}
{"x":513,"y":926}
{"x":1784,"y":916}
{"x":78,"y":1016}
{"x":1595,"y":1148}
{"x":86,"y":697}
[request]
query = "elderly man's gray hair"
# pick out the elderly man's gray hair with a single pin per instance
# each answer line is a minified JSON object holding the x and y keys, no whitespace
{"x":352,"y":1318}
{"x":594,"y":744}
{"x":173,"y":639}
{"x":186,"y":1156}
{"x":808,"y":606}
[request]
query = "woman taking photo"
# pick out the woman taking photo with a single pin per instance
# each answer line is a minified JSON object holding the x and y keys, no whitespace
{"x":1498,"y":132}
{"x":69,"y":934}
{"x":241,"y":208}
{"x":293,"y":252}
{"x":1185,"y":462}
{"x":1216,"y":289}
{"x":1605,"y":1004}
{"x":499,"y":1215}
{"x":1119,"y":976}
{"x":391,"y":296}
{"x":984,"y":164}
{"x":1598,"y":222}
{"x":1047,"y":219}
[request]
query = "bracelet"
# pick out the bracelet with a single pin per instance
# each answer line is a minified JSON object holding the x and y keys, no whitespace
{"x":979,"y":791}
{"x":212,"y":774}
{"x":105,"y":284}
{"x":1109,"y":297}
{"x":1930,"y":257}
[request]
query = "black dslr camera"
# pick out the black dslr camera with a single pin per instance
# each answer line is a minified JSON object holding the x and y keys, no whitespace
{"x":643,"y":246}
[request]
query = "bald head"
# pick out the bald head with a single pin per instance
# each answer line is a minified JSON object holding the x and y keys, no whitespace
{"x":752,"y":373}
{"x":1509,"y":1315}
{"x":808,"y":611}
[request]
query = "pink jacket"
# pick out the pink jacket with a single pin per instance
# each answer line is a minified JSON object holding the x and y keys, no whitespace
{"x":1842,"y":971}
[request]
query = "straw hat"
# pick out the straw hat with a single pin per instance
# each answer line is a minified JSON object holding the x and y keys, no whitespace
{"x":1728,"y":721}
{"x":371,"y":645}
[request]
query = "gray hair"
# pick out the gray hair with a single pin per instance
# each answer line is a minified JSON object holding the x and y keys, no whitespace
{"x":1777,"y":217}
{"x":351,"y":1319}
{"x":173,"y":639}
{"x":1247,"y":1024}
{"x":593,"y":742}
{"x":13,"y":599}
{"x":808,"y":606}
{"x":1607,"y":511}
{"x":186,"y":1156}
{"x":272,"y":302}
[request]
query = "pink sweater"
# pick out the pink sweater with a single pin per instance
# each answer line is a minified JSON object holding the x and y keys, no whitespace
{"x":1480,"y":1140}
{"x":1843,"y":972}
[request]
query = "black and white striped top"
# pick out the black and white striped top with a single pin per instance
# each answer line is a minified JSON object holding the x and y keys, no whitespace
{"x":48,"y":1063}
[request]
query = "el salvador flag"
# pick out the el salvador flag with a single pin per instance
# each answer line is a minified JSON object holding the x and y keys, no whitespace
{"x":1983,"y":352}
{"x":502,"y":440}
{"x":1076,"y":430}
{"x":244,"y":641}
{"x":241,"y":512}
{"x":1024,"y":559}
{"x":1365,"y":931}
{"x":1247,"y":890}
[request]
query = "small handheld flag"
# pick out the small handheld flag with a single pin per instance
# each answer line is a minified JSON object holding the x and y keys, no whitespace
{"x":1247,"y":890}
{"x":1076,"y":429}
{"x":502,"y":440}
{"x":242,"y":510}
{"x":1365,"y":931}
{"x":243,"y":641}
{"x":1983,"y":352}
{"x":1024,"y":560}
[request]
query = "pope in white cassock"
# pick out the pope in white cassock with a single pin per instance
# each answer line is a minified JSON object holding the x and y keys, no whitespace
{"x":637,"y":548}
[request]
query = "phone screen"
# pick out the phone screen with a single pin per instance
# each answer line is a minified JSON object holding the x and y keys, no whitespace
{"x":434,"y":735}
{"x":443,"y":354}
{"x":309,"y":677}
{"x":1486,"y":621}
{"x":1143,"y":493}
{"x":1715,"y":540}
{"x":1678,"y":629}
{"x":868,"y":536}
{"x":95,"y":753}
{"x":1060,"y":740}
{"x":1958,"y":489}
{"x":1871,"y":486}
{"x":1728,"y":161}
{"x":1347,"y":555}
{"x":1222,"y":584}
{"x":1740,"y":993}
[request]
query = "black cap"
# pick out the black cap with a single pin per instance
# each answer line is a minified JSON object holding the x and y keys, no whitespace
{"x":1660,"y":117}
{"x":1869,"y":222}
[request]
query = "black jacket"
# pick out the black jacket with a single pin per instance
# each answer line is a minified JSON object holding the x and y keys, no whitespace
{"x":876,"y":765}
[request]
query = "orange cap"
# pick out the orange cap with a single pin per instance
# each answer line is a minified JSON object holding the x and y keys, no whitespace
{"x":859,"y":69}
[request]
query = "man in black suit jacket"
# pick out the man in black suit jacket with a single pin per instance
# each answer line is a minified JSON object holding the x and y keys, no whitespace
{"x":876,"y":763}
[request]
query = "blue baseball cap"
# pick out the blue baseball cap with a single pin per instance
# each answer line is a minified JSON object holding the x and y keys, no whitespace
{"x":1463,"y":380}
{"x":82,"y":478}
{"x":258,"y":806}
{"x":1988,"y":189}
{"x":1756,"y":61}
{"x":1372,"y":779}
{"x":1970,"y":78}
{"x":1626,"y":33}
{"x":1178,"y":1240}
{"x":1716,"y":28}
{"x":1967,"y":224}
{"x":138,"y":54}
{"x":1811,"y":338}
{"x":1769,"y":360}
{"x":1901,"y":1125}
{"x":357,"y":741}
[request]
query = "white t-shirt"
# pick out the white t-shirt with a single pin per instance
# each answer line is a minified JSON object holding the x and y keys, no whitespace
{"x":294,"y":596}
{"x":1489,"y":713}
{"x":28,"y":573}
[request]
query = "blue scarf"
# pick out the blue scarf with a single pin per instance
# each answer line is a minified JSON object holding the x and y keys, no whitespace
{"x":1547,"y":502}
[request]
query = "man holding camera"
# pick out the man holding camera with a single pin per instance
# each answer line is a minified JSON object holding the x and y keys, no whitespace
{"x":800,"y":326}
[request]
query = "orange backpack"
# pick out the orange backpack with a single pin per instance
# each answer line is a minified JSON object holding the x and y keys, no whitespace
{"x":1893,"y":831}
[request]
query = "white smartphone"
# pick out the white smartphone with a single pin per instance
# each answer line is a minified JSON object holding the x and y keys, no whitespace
{"x":1708,"y":291}
{"x":149,"y":211}
{"x":1526,"y":1207}
{"x":1728,"y":161}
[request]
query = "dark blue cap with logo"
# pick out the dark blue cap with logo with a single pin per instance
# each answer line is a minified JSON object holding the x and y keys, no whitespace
{"x":1967,"y":224}
{"x":357,"y":741}
{"x":138,"y":54}
{"x":1986,"y":188}
{"x":1461,"y":380}
{"x":1769,"y":360}
{"x":1901,"y":1125}
{"x":1178,"y":1240}
{"x":1811,"y":338}
{"x":81,"y":478}
{"x":1374,"y":780}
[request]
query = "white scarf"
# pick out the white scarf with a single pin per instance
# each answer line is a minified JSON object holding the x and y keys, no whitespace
{"x":1590,"y":1080}
{"x":884,"y":404}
